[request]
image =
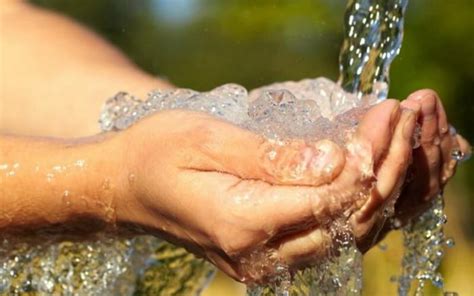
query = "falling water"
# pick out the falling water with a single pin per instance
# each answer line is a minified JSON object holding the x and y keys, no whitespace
{"x":424,"y":243}
{"x":373,"y":38}
{"x":308,"y":109}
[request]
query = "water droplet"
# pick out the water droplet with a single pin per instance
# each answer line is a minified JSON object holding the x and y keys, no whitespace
{"x":396,"y":223}
{"x":457,"y":155}
{"x":383,"y":246}
{"x":49,"y":177}
{"x":131,"y":178}
{"x":444,"y":219}
{"x":428,"y":234}
{"x":438,"y":282}
{"x":450,"y":243}
{"x":272,"y":155}
{"x":66,"y":198}
{"x":80,"y":163}
{"x":58,"y":169}
{"x":106,"y":184}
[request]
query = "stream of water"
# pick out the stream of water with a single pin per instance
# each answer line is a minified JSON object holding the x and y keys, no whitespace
{"x":310,"y":109}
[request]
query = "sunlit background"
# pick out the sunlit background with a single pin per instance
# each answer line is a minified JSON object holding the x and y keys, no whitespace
{"x":201,"y":44}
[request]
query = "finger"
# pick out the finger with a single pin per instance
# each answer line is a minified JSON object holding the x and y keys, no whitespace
{"x":300,"y":163}
{"x":429,"y":115}
{"x":228,"y":148}
{"x":442,"y":117}
{"x":440,"y":111}
{"x":465,"y":147}
{"x":377,"y":126}
{"x":428,"y":159}
{"x":453,"y":143}
{"x":280,"y":210}
{"x":449,"y":143}
{"x":248,"y":212}
{"x":303,"y":249}
{"x":413,"y":105}
{"x":393,"y":168}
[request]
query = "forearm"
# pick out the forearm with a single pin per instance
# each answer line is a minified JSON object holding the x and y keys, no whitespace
{"x":48,"y":183}
{"x":55,"y":74}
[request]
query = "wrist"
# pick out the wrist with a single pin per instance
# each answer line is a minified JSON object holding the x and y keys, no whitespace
{"x":138,"y":205}
{"x":105,"y":178}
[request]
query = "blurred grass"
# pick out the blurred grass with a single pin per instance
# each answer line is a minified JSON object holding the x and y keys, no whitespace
{"x":205,"y":43}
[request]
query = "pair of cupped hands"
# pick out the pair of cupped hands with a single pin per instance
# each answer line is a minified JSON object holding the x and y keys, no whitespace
{"x":226,"y":193}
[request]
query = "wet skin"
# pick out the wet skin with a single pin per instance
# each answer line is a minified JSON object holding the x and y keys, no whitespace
{"x":222,"y":196}
{"x":224,"y":192}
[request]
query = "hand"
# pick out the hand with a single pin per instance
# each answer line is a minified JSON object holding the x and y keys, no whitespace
{"x":228,"y":194}
{"x":433,"y":164}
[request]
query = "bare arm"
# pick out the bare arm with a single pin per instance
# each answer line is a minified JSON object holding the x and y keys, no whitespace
{"x":61,"y":183}
{"x":55,"y":74}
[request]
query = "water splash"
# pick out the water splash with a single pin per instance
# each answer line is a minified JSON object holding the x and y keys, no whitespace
{"x":425,"y":244}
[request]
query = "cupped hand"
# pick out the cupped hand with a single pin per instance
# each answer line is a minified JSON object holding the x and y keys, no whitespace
{"x":232,"y":196}
{"x":433,"y":162}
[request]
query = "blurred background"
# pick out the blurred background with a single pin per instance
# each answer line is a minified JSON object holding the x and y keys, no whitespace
{"x":201,"y":44}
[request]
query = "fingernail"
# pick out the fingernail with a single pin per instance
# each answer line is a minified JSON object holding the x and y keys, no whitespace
{"x":409,"y":124}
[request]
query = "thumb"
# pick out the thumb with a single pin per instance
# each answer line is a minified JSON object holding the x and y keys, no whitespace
{"x":231,"y":149}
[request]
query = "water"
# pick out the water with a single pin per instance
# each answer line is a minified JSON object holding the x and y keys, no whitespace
{"x":310,"y":109}
{"x":280,"y":111}
{"x":373,"y":38}
{"x":425,"y":244}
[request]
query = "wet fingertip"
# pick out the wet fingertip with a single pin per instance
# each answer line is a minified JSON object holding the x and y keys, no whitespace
{"x":416,"y":96}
